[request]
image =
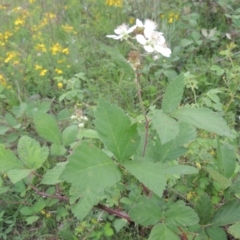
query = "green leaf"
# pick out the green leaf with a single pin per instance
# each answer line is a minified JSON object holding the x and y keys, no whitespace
{"x":204,"y":209}
{"x":180,"y":215}
{"x":119,"y":59}
{"x":115,"y":130}
{"x":3,"y":129}
{"x":89,"y":171}
{"x":216,"y":233}
{"x":52,"y":176}
{"x":234,"y":230}
{"x":16,"y":175}
{"x":26,"y":211}
{"x":173,"y":95}
{"x":166,"y":127}
{"x":57,"y":150}
{"x":47,"y":127}
{"x":162,"y":232}
{"x":146,"y":213}
{"x":69,"y":135}
{"x":31,"y":153}
{"x":87,"y":133}
{"x":179,"y":169}
{"x":223,"y":181}
{"x":39,"y":205}
{"x":226,"y":159}
{"x":227,"y":214}
{"x":11,"y":121}
{"x":169,"y":151}
{"x":118,"y":224}
{"x":148,"y":173}
{"x":8,"y":160}
{"x":203,"y":118}
{"x":31,"y":220}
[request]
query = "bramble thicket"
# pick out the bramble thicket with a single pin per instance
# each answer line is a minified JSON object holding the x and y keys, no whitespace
{"x":120,"y":119}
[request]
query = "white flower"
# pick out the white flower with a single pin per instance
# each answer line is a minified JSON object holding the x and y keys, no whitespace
{"x":149,"y":25}
{"x":154,"y":41}
{"x":122,"y":32}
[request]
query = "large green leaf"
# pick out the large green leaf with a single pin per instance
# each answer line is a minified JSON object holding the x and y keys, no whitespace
{"x":162,"y":232}
{"x":8,"y":160}
{"x":90,"y":171}
{"x":31,"y":153}
{"x":204,"y":209}
{"x":166,"y":127}
{"x":178,"y":169}
{"x":119,"y":59}
{"x":216,"y":233}
{"x":47,"y":127}
{"x":180,"y":215}
{"x":203,"y":118}
{"x":148,"y":173}
{"x":226,"y":159}
{"x":15,"y":175}
{"x":227,"y":214}
{"x":223,"y":181}
{"x":52,"y":176}
{"x":234,"y":230}
{"x":173,"y":95}
{"x":146,"y":213}
{"x":115,"y":130}
{"x":69,"y":135}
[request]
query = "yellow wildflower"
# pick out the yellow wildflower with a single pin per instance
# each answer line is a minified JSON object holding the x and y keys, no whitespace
{"x":132,"y":20}
{"x":41,"y":47}
{"x":19,"y":21}
{"x":59,"y":85}
{"x":2,"y":7}
{"x":56,"y":48}
{"x":37,"y":67}
{"x":58,"y":71}
{"x":116,"y":3}
{"x":50,"y":15}
{"x":48,"y":215}
{"x":198,"y":165}
{"x":3,"y":80}
{"x":67,"y":28}
{"x":43,"y":72}
{"x":10,"y":56}
{"x":43,"y":212}
{"x":170,"y":20}
{"x":190,"y":195}
{"x":65,"y":51}
{"x":32,"y":1}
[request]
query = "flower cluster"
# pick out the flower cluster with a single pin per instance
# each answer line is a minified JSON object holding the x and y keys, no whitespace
{"x":145,"y":34}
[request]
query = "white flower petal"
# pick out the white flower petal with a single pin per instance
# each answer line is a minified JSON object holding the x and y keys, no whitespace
{"x":166,"y":52}
{"x":148,"y":48}
{"x":150,"y":25}
{"x":139,"y":23}
{"x":141,"y":39}
{"x":131,"y":29}
{"x":111,"y":36}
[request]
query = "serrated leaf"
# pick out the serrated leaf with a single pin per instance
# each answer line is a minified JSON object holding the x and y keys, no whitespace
{"x":226,"y":159}
{"x":173,"y":94}
{"x":203,"y":118}
{"x":228,"y":213}
{"x":52,"y":176}
{"x":47,"y":127}
{"x":162,"y":232}
{"x":146,"y":213}
{"x":8,"y":160}
{"x":204,"y":209}
{"x":69,"y":135}
{"x":115,"y":130}
{"x":166,"y":127}
{"x":89,"y":171}
{"x":234,"y":230}
{"x":216,"y":233}
{"x":180,"y":215}
{"x":223,"y":181}
{"x":148,"y":173}
{"x":57,"y":150}
{"x":31,"y":153}
{"x":15,"y":175}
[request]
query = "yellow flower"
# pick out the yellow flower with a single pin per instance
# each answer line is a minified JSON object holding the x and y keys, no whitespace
{"x":67,"y":28}
{"x":43,"y":72}
{"x":48,"y":215}
{"x":19,"y":21}
{"x":198,"y":165}
{"x":116,"y":3}
{"x":58,"y":71}
{"x":170,"y":20}
{"x":56,"y":48}
{"x":65,"y":50}
{"x":37,"y":67}
{"x":41,"y":47}
{"x":10,"y":56}
{"x":32,"y":1}
{"x":131,"y":20}
{"x":3,"y":80}
{"x":43,"y":212}
{"x":59,"y":85}
{"x":190,"y":195}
